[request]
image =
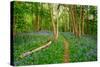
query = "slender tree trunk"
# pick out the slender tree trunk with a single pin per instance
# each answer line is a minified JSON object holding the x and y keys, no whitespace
{"x":74,"y":19}
{"x":65,"y":27}
{"x":37,"y":19}
{"x":74,"y":23}
{"x":71,"y":17}
{"x":64,"y":24}
{"x":54,"y":16}
{"x":38,"y":23}
{"x":57,"y":30}
{"x":82,"y":20}
{"x":87,"y":23}
{"x":53,"y":24}
{"x":70,"y":24}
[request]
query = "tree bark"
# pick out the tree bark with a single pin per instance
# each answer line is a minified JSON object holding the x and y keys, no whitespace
{"x":37,"y":49}
{"x":37,"y":19}
{"x":82,"y":19}
{"x":87,"y":22}
{"x":71,"y":20}
{"x":54,"y":17}
{"x":74,"y":19}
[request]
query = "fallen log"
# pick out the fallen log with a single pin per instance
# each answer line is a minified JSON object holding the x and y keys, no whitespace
{"x":34,"y":50}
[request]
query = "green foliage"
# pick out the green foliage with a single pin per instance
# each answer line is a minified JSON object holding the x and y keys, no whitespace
{"x":24,"y":43}
{"x":82,"y":49}
{"x":25,"y":19}
{"x":25,"y":16}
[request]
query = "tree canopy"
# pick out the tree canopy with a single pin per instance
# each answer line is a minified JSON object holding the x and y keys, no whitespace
{"x":31,"y":17}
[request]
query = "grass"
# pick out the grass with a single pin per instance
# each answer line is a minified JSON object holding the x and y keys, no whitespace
{"x":23,"y":43}
{"x":52,"y":54}
{"x":81,"y":49}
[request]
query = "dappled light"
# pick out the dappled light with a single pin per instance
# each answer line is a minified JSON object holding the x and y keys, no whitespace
{"x":50,"y":33}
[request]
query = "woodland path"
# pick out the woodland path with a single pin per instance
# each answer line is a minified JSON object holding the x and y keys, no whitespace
{"x":65,"y":43}
{"x":66,"y":51}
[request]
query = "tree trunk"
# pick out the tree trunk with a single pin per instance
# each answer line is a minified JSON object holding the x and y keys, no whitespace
{"x":54,"y":17}
{"x":37,"y":19}
{"x":38,"y":23}
{"x":73,"y":8}
{"x":71,"y":17}
{"x":71,"y":20}
{"x":82,"y":19}
{"x":87,"y":23}
{"x":76,"y":20}
{"x":35,"y":50}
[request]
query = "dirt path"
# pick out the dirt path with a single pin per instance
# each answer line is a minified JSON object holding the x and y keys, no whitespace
{"x":66,"y":51}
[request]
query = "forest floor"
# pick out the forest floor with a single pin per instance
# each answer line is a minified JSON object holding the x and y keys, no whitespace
{"x":67,"y":49}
